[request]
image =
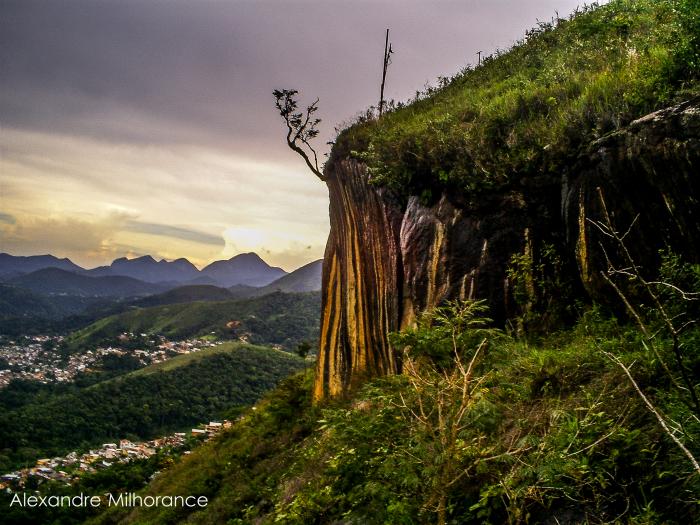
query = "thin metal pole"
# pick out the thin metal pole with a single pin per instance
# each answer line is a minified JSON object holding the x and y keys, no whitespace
{"x":385,"y":65}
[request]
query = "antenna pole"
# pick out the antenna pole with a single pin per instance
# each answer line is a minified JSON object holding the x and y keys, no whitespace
{"x":387,"y":52}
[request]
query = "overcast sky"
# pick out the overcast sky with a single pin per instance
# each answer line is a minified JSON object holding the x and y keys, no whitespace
{"x":148,"y":127}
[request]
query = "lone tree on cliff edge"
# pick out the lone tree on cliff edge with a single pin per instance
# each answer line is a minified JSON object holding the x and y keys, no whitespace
{"x":301,"y":127}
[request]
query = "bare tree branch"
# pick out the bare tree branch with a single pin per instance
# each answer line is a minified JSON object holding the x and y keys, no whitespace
{"x":633,"y":271}
{"x":653,"y":410}
{"x":301,"y":127}
{"x":442,"y":397}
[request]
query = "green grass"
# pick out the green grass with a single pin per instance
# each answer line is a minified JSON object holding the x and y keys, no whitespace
{"x":534,"y":108}
{"x":277,"y":318}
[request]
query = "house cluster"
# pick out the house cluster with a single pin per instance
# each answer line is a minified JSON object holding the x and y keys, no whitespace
{"x":167,"y":349}
{"x":156,"y":350}
{"x":34,"y":358}
{"x":209,"y":431}
{"x":70,"y":468}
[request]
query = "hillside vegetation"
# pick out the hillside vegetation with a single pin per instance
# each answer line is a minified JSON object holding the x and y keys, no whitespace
{"x":546,"y":432}
{"x":186,"y":294}
{"x":277,"y":318}
{"x":150,"y":402}
{"x":23,"y":312}
{"x":596,"y":423}
{"x":529,"y":110}
{"x":62,"y":282}
{"x":17,"y":302}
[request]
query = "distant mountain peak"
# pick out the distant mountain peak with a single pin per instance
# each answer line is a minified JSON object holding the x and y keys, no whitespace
{"x":304,"y":279}
{"x":146,"y":268}
{"x":245,"y":268}
{"x":143,"y":259}
{"x":248,"y":255}
{"x":182,"y":261}
{"x":17,"y":264}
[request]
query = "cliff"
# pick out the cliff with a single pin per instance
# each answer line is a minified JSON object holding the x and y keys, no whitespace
{"x":488,"y":186}
{"x":362,"y":273}
{"x":388,"y":260}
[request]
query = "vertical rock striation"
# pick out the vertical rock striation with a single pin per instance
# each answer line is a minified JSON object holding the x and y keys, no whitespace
{"x":451,"y":252}
{"x":361,"y":282}
{"x":387,"y":261}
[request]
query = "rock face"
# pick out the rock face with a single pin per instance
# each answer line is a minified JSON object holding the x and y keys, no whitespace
{"x":361,"y":282}
{"x":649,"y":171}
{"x":387,"y":261}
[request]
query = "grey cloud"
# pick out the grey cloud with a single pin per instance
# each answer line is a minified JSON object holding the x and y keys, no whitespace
{"x":203,"y":72}
{"x":7,"y":218}
{"x":173,"y":231}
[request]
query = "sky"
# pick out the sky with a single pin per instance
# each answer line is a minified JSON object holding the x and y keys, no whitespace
{"x":148,"y":127}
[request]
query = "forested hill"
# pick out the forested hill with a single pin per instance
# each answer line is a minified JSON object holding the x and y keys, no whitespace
{"x":276,"y":318}
{"x":150,"y":402}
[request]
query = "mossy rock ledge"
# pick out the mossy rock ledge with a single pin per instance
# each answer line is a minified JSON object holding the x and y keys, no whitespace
{"x":390,"y":258}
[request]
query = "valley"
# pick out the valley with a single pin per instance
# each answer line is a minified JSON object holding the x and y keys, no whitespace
{"x":40,"y":420}
{"x":127,"y":360}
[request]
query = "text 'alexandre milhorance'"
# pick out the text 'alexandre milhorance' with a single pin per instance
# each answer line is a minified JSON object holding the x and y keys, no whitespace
{"x":128,"y":499}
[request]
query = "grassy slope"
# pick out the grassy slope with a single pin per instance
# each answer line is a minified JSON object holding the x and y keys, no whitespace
{"x":559,"y":432}
{"x":194,"y":357}
{"x":530,"y":110}
{"x":152,"y":401}
{"x":273,"y":319}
